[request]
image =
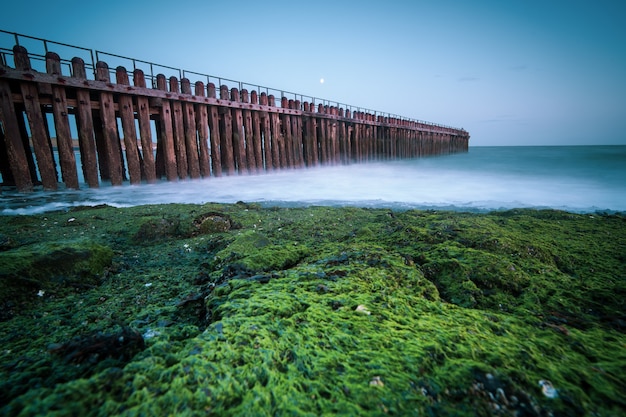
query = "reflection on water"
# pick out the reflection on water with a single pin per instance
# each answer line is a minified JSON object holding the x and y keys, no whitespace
{"x":581,"y":179}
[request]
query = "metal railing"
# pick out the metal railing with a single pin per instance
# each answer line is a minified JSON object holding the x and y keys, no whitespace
{"x":150,"y":68}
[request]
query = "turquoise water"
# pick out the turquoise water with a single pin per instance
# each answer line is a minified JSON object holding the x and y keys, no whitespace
{"x":574,"y":178}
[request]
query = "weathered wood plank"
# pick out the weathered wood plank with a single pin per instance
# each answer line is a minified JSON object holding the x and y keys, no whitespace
{"x":16,"y":154}
{"x":109,"y":129}
{"x":202,"y":124}
{"x":267,"y":135}
{"x":226,"y":135}
{"x":39,"y":136}
{"x":166,"y":137}
{"x":239,"y":146}
{"x":145,"y":132}
{"x":191,"y":132}
{"x":214,"y":129}
{"x":127,"y":114}
{"x":248,"y":133}
{"x":179,"y":132}
{"x":256,"y":134}
{"x":62,"y":125}
{"x":86,"y":139}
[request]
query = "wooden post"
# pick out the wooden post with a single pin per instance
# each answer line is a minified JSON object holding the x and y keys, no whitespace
{"x":267,"y":134}
{"x":277,"y":156}
{"x":39,"y":136}
{"x":202,"y":124}
{"x":226,"y":134}
{"x":238,"y":144}
{"x":312,"y":129}
{"x":109,"y":127}
{"x":145,"y":133}
{"x":16,"y":154}
{"x":62,"y":125}
{"x":179,"y":132}
{"x":287,"y":145}
{"x":86,"y":140}
{"x":191,"y":132}
{"x":296,"y":132}
{"x":321,"y":135}
{"x":127,"y":114}
{"x":166,"y":137}
{"x":214,"y":128}
{"x":256,"y":133}
{"x":248,"y":135}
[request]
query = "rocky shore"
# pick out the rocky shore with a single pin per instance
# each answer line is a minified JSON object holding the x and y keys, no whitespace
{"x":231,"y":310}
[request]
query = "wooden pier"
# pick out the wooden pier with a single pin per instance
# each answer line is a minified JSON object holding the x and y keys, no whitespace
{"x":117,"y":131}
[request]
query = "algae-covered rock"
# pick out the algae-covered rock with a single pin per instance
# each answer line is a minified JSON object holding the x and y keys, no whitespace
{"x":253,"y":251}
{"x":213,"y":222}
{"x":159,"y":228}
{"x":48,"y":267}
{"x":320,"y":311}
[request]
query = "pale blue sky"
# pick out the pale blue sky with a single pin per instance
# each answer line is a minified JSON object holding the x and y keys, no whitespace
{"x":534,"y":72}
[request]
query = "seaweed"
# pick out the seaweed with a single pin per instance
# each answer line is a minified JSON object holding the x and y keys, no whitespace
{"x":243,"y":310}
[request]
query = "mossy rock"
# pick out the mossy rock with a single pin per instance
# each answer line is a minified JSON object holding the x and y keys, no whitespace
{"x":213,"y":222}
{"x":253,"y":251}
{"x":49,"y":267}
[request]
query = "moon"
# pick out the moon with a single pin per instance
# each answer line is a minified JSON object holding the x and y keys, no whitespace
{"x":321,"y":81}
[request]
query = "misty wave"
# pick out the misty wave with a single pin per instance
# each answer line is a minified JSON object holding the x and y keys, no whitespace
{"x":485,"y":179}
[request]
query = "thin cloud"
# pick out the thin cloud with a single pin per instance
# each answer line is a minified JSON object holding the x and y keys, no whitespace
{"x":468,"y":79}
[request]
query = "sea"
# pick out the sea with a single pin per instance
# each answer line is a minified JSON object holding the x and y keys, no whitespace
{"x":580,"y":179}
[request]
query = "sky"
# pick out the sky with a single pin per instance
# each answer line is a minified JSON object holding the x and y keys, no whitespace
{"x":511,"y":72}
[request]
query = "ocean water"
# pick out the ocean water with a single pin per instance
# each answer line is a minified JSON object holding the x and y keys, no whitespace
{"x":581,"y":179}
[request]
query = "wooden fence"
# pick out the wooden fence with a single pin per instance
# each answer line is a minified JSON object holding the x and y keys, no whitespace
{"x":129,"y":132}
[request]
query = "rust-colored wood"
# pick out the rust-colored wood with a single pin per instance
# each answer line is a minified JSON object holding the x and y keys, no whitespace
{"x":86,"y":139}
{"x":191,"y":140}
{"x":127,"y":115}
{"x":166,"y":135}
{"x":109,"y":128}
{"x":226,"y":135}
{"x":256,"y":134}
{"x":238,"y":144}
{"x":39,"y":136}
{"x":214,"y":129}
{"x":278,"y":153}
{"x":202,"y":124}
{"x":248,"y":133}
{"x":286,"y":147}
{"x":180,"y":147}
{"x":267,"y":135}
{"x":20,"y":58}
{"x":296,"y":135}
{"x":191,"y":132}
{"x":16,"y":154}
{"x":245,"y":133}
{"x":145,"y":132}
{"x":62,"y":125}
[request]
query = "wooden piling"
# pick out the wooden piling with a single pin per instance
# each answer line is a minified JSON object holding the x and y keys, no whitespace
{"x":145,"y":132}
{"x":86,"y":139}
{"x":166,"y":151}
{"x":214,"y":129}
{"x":238,"y":137}
{"x":127,"y":115}
{"x":16,"y":154}
{"x":202,"y":123}
{"x":190,"y":132}
{"x":62,"y":125}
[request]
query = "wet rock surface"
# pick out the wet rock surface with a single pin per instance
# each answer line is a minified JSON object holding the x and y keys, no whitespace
{"x":242,"y":310}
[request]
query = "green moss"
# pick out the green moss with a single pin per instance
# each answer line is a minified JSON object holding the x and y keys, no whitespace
{"x":49,"y":267}
{"x":319,"y":311}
